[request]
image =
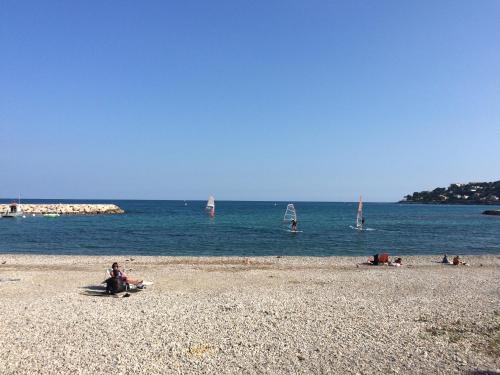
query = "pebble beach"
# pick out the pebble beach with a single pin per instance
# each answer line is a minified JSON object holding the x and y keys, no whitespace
{"x":262,"y":315}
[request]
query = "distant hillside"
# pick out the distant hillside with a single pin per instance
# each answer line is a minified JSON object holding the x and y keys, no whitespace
{"x":471,"y":193}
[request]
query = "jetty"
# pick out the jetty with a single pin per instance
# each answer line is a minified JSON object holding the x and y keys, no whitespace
{"x":67,"y":209}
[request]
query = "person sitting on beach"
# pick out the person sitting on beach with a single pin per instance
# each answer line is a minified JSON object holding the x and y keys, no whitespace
{"x":117,"y":273}
{"x":375,"y":260}
{"x":445,"y":259}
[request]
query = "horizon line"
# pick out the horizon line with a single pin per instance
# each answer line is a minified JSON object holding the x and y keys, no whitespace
{"x":192,"y":200}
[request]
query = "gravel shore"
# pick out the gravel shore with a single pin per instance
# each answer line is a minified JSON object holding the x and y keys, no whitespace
{"x":271,"y":315}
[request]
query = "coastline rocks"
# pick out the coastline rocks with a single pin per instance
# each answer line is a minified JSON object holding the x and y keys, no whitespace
{"x":68,"y":209}
{"x":459,"y":193}
{"x":492,"y":212}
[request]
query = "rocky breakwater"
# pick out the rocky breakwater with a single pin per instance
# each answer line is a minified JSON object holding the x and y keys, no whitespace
{"x":492,"y":212}
{"x":67,"y":209}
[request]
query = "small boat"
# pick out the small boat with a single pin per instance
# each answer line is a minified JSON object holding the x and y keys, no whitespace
{"x":14,"y":210}
{"x":210,"y":208}
{"x":51,"y":215}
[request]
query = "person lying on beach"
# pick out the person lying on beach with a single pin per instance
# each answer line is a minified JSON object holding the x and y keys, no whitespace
{"x":459,"y":262}
{"x":397,"y":263}
{"x":117,"y":273}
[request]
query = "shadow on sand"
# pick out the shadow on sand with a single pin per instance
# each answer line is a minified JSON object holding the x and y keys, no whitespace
{"x":100,"y":291}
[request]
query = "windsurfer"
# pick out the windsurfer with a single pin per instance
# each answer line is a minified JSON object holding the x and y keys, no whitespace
{"x":294,"y":225}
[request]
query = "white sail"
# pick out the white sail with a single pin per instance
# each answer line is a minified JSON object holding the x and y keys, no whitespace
{"x":210,"y":208}
{"x":359,"y":216}
{"x":290,"y":213}
{"x":210,"y":202}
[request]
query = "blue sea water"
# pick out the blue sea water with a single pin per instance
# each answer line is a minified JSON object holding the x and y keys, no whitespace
{"x":256,"y":228}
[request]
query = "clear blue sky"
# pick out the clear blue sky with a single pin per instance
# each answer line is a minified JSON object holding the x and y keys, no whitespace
{"x":247,"y":100}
